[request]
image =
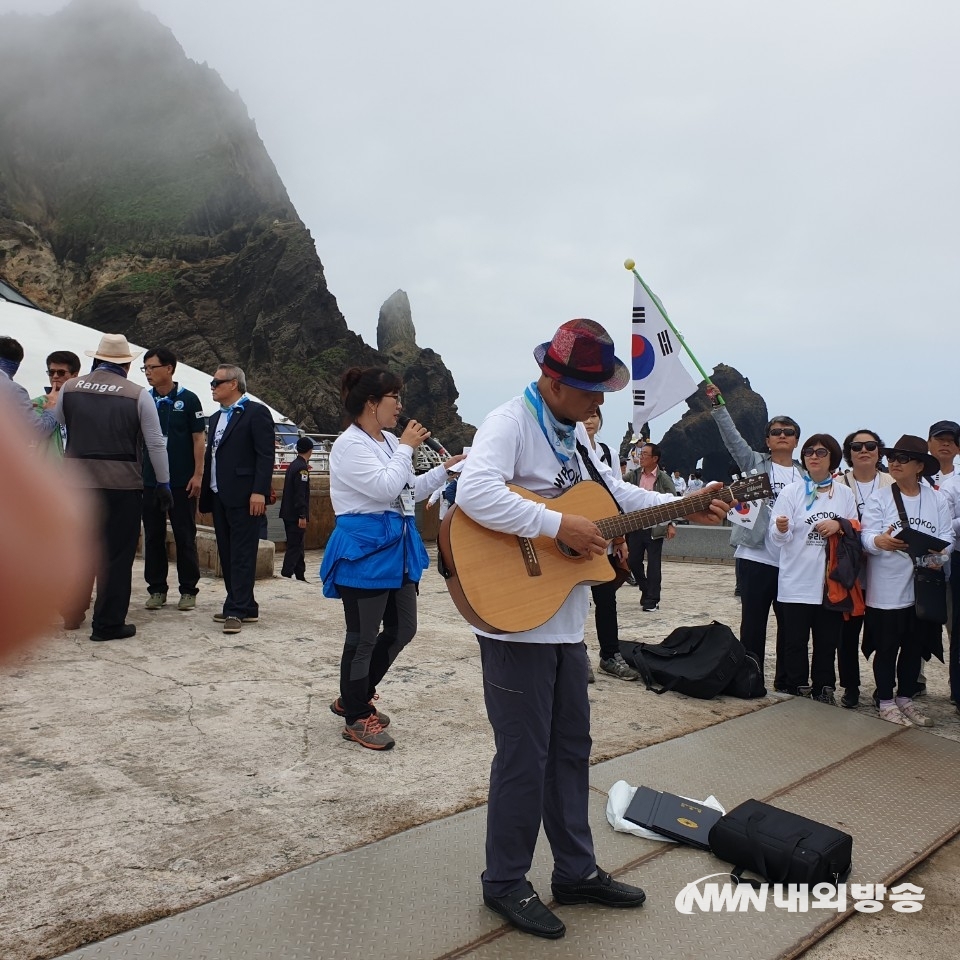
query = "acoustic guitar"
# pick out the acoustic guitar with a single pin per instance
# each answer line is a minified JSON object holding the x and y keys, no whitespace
{"x":502,"y":583}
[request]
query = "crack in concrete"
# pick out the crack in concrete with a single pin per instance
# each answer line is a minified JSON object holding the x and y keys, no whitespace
{"x":305,"y":738}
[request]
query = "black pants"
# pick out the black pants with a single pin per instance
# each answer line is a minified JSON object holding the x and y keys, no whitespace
{"x":848,"y":654}
{"x":758,"y":592}
{"x":183,"y":522}
{"x":536,"y":699}
{"x":954,"y":652}
{"x":238,"y":539}
{"x":643,"y":546}
{"x":293,"y":562}
{"x":119,"y":528}
{"x":800,"y":620}
{"x":605,"y":615}
{"x":900,"y":639}
{"x":368,"y":650}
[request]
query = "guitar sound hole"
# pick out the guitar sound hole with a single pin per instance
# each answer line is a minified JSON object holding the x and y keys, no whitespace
{"x":568,"y":552}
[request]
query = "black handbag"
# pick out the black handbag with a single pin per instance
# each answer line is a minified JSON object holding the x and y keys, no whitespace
{"x":929,"y":583}
{"x":930,"y":594}
{"x":780,"y":846}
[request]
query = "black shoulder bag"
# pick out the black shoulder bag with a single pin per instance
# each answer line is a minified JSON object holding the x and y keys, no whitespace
{"x":929,"y":583}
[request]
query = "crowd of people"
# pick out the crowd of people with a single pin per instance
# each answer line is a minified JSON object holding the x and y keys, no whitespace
{"x":836,"y":555}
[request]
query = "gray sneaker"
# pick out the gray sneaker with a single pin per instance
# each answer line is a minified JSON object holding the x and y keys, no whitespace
{"x":369,"y":733}
{"x":231,"y":625}
{"x":155,"y":601}
{"x":188,"y":601}
{"x":616,"y":666}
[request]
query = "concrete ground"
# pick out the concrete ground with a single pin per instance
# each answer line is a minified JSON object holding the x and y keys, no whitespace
{"x":146,"y":776}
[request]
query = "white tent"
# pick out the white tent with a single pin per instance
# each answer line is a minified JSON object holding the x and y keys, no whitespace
{"x":41,"y":333}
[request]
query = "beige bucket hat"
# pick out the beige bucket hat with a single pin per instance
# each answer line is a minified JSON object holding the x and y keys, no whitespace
{"x":113,"y":347}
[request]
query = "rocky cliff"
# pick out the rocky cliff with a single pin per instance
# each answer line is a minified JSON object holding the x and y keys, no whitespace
{"x":137,"y":197}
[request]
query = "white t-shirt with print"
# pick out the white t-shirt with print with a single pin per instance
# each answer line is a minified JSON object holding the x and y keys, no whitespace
{"x":890,"y":586}
{"x":803,"y":551}
{"x":769,"y":552}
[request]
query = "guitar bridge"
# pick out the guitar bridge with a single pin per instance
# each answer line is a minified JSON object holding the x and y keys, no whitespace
{"x":530,"y":559}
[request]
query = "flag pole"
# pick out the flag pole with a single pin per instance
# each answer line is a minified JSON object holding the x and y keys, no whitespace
{"x":632,"y":267}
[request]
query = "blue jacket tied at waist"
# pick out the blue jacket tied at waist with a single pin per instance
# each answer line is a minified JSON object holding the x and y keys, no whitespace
{"x":372,"y":551}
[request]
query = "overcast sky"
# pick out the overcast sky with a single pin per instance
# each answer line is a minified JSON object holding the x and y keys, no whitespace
{"x":783,"y":175}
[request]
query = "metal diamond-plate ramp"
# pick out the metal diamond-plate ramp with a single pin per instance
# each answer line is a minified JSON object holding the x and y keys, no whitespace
{"x":417,"y":894}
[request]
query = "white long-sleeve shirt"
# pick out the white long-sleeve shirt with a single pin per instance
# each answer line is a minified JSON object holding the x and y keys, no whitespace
{"x":803,"y":551}
{"x":369,"y":476}
{"x":890,"y":585}
{"x":509,"y":447}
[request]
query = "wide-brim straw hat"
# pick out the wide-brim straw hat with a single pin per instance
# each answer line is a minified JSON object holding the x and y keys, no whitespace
{"x":113,"y":348}
{"x":917,"y":448}
{"x":581,"y":356}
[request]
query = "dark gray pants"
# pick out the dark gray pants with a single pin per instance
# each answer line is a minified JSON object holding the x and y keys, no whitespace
{"x":380,"y":623}
{"x":536,"y":697}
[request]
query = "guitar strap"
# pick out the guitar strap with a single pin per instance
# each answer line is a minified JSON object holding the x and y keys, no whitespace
{"x":594,"y":472}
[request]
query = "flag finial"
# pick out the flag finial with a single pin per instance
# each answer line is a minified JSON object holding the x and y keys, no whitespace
{"x":628,"y":264}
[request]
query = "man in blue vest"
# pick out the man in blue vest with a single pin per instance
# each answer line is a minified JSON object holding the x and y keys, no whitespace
{"x":183,"y":426}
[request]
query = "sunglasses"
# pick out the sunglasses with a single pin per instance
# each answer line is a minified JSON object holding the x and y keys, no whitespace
{"x":58,"y":373}
{"x":902,"y":458}
{"x":818,"y":452}
{"x":781,"y":432}
{"x":217,"y":383}
{"x":870,"y":445}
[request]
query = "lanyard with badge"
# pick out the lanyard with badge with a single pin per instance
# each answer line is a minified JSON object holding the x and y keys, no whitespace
{"x":405,"y":502}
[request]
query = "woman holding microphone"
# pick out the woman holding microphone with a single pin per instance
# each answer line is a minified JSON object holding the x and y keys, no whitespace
{"x":375,"y":556}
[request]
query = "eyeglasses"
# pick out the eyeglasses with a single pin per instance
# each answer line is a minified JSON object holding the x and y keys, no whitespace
{"x":781,"y":432}
{"x":392,"y":396}
{"x":58,"y":373}
{"x":902,"y":458}
{"x":155,"y":366}
{"x":218,"y":383}
{"x":818,"y":452}
{"x":870,"y":445}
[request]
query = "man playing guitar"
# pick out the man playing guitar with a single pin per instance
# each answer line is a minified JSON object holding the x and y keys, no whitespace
{"x":535,"y":681}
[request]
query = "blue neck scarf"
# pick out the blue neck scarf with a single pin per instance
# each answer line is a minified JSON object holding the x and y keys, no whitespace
{"x":811,"y":487}
{"x":561,"y":436}
{"x":9,"y":367}
{"x":109,"y":367}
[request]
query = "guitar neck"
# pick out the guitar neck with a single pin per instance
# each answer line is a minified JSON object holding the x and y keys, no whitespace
{"x":624,"y":523}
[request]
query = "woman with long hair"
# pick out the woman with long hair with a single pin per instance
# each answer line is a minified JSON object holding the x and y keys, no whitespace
{"x":806,"y":514}
{"x":893,"y":632}
{"x":861,"y":450}
{"x":375,"y":557}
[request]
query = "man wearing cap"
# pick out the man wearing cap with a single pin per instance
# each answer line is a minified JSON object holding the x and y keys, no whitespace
{"x":295,"y":510}
{"x":237,"y":475}
{"x":535,"y":682}
{"x":109,"y":420}
{"x":183,"y":426}
{"x":944,"y":444}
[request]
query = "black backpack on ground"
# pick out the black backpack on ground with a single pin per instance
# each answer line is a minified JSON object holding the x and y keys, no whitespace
{"x":700,"y":662}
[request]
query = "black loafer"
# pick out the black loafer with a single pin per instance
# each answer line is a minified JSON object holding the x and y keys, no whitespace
{"x":602,"y":889}
{"x":526,"y":912}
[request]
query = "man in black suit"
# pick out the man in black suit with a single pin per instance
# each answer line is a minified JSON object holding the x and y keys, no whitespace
{"x":295,"y":510}
{"x":237,"y":473}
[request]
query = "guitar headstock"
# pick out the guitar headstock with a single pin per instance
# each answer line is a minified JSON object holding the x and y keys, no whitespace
{"x":754,"y":487}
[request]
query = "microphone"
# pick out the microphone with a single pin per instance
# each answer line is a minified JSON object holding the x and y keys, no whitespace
{"x":434,"y":445}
